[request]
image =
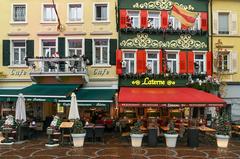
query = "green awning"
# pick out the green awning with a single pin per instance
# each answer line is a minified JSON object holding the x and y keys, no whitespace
{"x":9,"y":95}
{"x":44,"y":92}
{"x":93,"y":97}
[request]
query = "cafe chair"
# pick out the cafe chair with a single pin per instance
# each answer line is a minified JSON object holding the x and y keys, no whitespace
{"x":99,"y":133}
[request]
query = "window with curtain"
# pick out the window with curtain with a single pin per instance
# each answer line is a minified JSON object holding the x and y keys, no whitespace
{"x":224,"y":61}
{"x":101,"y":12}
{"x":154,"y":19}
{"x":19,"y":52}
{"x":19,"y":13}
{"x":223,"y":23}
{"x":75,"y":12}
{"x":172,"y":62}
{"x":49,"y":13}
{"x":48,"y":49}
{"x":134,"y":18}
{"x":129,"y":58}
{"x":75,"y":50}
{"x":101,"y":50}
{"x":199,"y":63}
{"x":152,"y":62}
{"x":174,"y":23}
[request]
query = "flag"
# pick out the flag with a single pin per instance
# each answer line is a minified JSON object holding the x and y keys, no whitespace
{"x":186,"y":17}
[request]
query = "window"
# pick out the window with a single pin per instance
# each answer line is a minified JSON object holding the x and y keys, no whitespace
{"x":199,"y":63}
{"x":224,"y":61}
{"x":75,"y":13}
{"x":19,"y":13}
{"x":129,"y":58}
{"x":48,"y":47}
{"x":223,"y":19}
{"x":75,"y":49}
{"x":49,"y":14}
{"x":196,"y":25}
{"x":172,"y":62}
{"x":152,"y":62}
{"x":19,"y":52}
{"x":154,"y":19}
{"x":101,"y":51}
{"x":174,"y":23}
{"x":101,"y":12}
{"x":134,"y":17}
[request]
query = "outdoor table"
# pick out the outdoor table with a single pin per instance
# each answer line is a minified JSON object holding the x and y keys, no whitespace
{"x":63,"y":126}
{"x":166,"y":128}
{"x":206,"y":129}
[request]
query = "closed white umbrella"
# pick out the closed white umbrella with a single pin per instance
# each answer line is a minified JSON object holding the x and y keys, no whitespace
{"x":73,"y":112}
{"x":20,"y":113}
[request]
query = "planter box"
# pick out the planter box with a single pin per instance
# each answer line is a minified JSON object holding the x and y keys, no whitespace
{"x":136,"y":140}
{"x":171,"y":139}
{"x":78,"y":139}
{"x":222,"y":140}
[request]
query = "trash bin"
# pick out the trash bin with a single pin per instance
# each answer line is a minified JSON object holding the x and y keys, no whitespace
{"x":192,"y":135}
{"x":152,"y":137}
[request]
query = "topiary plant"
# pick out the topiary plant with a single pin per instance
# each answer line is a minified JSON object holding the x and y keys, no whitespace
{"x":78,"y":127}
{"x":223,"y":124}
{"x":171,"y":127}
{"x":136,"y":128}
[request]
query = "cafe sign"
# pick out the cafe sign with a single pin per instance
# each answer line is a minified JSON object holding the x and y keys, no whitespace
{"x":170,"y":105}
{"x":148,"y":82}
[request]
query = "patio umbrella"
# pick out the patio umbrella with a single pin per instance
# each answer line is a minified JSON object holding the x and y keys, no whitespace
{"x":20,"y":113}
{"x":73,"y":112}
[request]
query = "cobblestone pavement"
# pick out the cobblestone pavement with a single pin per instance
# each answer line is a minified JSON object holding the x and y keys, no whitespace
{"x":116,"y":148}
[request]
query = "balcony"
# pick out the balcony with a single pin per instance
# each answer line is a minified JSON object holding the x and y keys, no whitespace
{"x":56,"y":69}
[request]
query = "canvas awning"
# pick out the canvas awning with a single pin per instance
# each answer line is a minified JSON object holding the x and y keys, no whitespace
{"x":93,"y":97}
{"x":167,"y":97}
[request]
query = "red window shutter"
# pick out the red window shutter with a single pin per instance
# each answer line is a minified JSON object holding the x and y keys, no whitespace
{"x":123,"y":18}
{"x":164,"y":19}
{"x":184,"y":27}
{"x":141,"y":61}
{"x":204,"y":21}
{"x":119,"y":62}
{"x":209,"y":63}
{"x":182,"y":62}
{"x":160,"y":62}
{"x":144,"y":19}
{"x":190,"y":62}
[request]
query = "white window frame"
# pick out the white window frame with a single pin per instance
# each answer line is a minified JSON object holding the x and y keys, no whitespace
{"x":26,"y":14}
{"x":229,"y":22}
{"x":173,"y":25}
{"x":153,"y":52}
{"x":134,"y":59}
{"x":229,"y":62}
{"x":139,"y":20}
{"x":177,"y":58}
{"x":74,"y":38}
{"x":204,"y":61}
{"x":12,"y":52}
{"x":159,"y":18}
{"x":94,"y":52}
{"x":68,"y":13}
{"x":198,"y":19}
{"x":94,"y":12}
{"x":42,"y":19}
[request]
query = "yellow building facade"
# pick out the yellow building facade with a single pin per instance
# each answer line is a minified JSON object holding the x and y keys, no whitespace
{"x":225,"y":46}
{"x":29,"y":30}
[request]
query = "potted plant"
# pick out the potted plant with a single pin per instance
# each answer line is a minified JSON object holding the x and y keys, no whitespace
{"x":171,"y":135}
{"x":223,"y":130}
{"x":136,"y":135}
{"x":78,"y":133}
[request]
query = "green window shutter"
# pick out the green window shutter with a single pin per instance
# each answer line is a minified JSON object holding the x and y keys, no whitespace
{"x":61,"y":46}
{"x":30,"y":48}
{"x":113,"y":48}
{"x":88,"y":50}
{"x":6,"y":52}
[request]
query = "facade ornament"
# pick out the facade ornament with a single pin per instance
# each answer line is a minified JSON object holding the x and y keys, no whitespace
{"x":161,"y":5}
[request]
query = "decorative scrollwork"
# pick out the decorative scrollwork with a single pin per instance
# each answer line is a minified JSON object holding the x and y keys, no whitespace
{"x":161,"y":5}
{"x":143,"y":41}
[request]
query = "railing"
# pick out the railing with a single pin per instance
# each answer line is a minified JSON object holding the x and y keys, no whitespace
{"x":57,"y":65}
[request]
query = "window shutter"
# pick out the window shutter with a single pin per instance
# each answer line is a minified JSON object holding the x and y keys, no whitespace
{"x":88,"y":50}
{"x":204,"y":21}
{"x":190,"y":62}
{"x":144,"y":19}
{"x":209,"y":63}
{"x":183,"y":27}
{"x":123,"y":18}
{"x":113,"y":48}
{"x":118,"y":62}
{"x":215,"y":22}
{"x":234,"y":62}
{"x":164,"y":19}
{"x":182,"y":62}
{"x":141,"y":61}
{"x":30,"y":48}
{"x":6,"y":52}
{"x":160,"y":61}
{"x":215,"y":62}
{"x":233,"y":24}
{"x":61,"y":51}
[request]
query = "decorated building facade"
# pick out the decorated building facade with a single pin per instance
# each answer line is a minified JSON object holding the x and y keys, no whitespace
{"x":49,"y":50}
{"x":163,"y":44}
{"x":225,"y":46}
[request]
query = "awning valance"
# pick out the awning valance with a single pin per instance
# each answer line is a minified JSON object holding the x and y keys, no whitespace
{"x":93,"y":97}
{"x":167,"y":97}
